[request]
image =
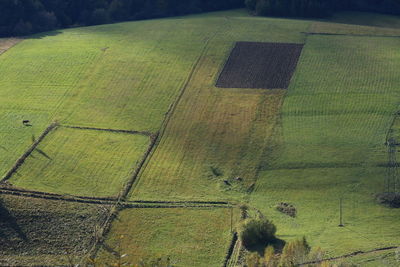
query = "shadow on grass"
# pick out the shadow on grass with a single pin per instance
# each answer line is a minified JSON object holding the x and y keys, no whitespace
{"x":278,"y":245}
{"x":41,"y":152}
{"x":7,"y":220}
{"x":42,"y":35}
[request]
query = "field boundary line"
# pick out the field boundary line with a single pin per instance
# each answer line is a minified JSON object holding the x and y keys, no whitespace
{"x":172,"y":108}
{"x":355,"y":253}
{"x":115,"y":201}
{"x":350,"y":34}
{"x":145,"y":133}
{"x":55,"y":197}
{"x":27,"y":153}
{"x":148,"y":155}
{"x":233,"y":251}
{"x":128,"y":186}
{"x":38,"y":194}
{"x":389,"y":131}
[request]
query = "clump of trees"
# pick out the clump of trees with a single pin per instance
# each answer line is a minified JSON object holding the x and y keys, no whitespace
{"x":293,"y":254}
{"x":390,"y":199}
{"x":319,"y":8}
{"x":22,"y":17}
{"x":257,"y":233}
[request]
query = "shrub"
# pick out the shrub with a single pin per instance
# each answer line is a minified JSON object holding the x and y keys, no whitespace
{"x":270,"y":259}
{"x":390,"y":199}
{"x":216,"y":171}
{"x":99,"y":16}
{"x":295,"y":252}
{"x":258,"y":233}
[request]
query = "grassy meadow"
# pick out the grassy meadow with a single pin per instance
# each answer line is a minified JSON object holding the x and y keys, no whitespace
{"x":319,"y":141}
{"x":217,"y":134}
{"x":382,"y":258}
{"x":82,"y":162}
{"x":335,"y":119}
{"x":189,"y":237}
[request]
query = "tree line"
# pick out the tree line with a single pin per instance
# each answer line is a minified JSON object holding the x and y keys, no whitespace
{"x":319,"y":8}
{"x":23,"y":17}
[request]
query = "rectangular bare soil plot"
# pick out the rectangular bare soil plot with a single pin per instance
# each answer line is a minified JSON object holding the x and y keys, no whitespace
{"x":260,"y":65}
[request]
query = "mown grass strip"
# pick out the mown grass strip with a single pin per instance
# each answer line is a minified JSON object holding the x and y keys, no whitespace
{"x":167,"y":118}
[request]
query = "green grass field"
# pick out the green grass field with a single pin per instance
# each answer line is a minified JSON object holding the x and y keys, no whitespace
{"x":82,"y":162}
{"x":386,"y":258}
{"x":335,"y":118}
{"x":319,"y":141}
{"x":214,"y":128}
{"x":189,"y":237}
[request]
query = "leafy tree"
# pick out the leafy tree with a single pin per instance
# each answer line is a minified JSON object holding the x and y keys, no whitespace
{"x":99,"y":16}
{"x":257,"y":233}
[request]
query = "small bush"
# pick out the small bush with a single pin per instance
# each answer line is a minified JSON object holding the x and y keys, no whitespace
{"x":389,"y":199}
{"x":216,"y":171}
{"x":244,"y":211}
{"x":257,"y":233}
{"x":287,"y":208}
{"x":295,"y":252}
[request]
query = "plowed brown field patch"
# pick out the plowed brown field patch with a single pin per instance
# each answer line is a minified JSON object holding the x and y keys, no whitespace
{"x":42,"y":232}
{"x":260,"y":65}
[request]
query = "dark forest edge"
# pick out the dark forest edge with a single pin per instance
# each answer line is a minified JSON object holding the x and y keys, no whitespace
{"x":319,"y":8}
{"x":24,"y":17}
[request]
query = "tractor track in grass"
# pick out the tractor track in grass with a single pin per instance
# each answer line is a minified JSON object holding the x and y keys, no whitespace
{"x":145,"y":133}
{"x":27,"y":153}
{"x":349,"y":255}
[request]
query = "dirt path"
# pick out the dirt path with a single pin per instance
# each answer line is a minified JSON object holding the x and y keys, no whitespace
{"x":7,"y":43}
